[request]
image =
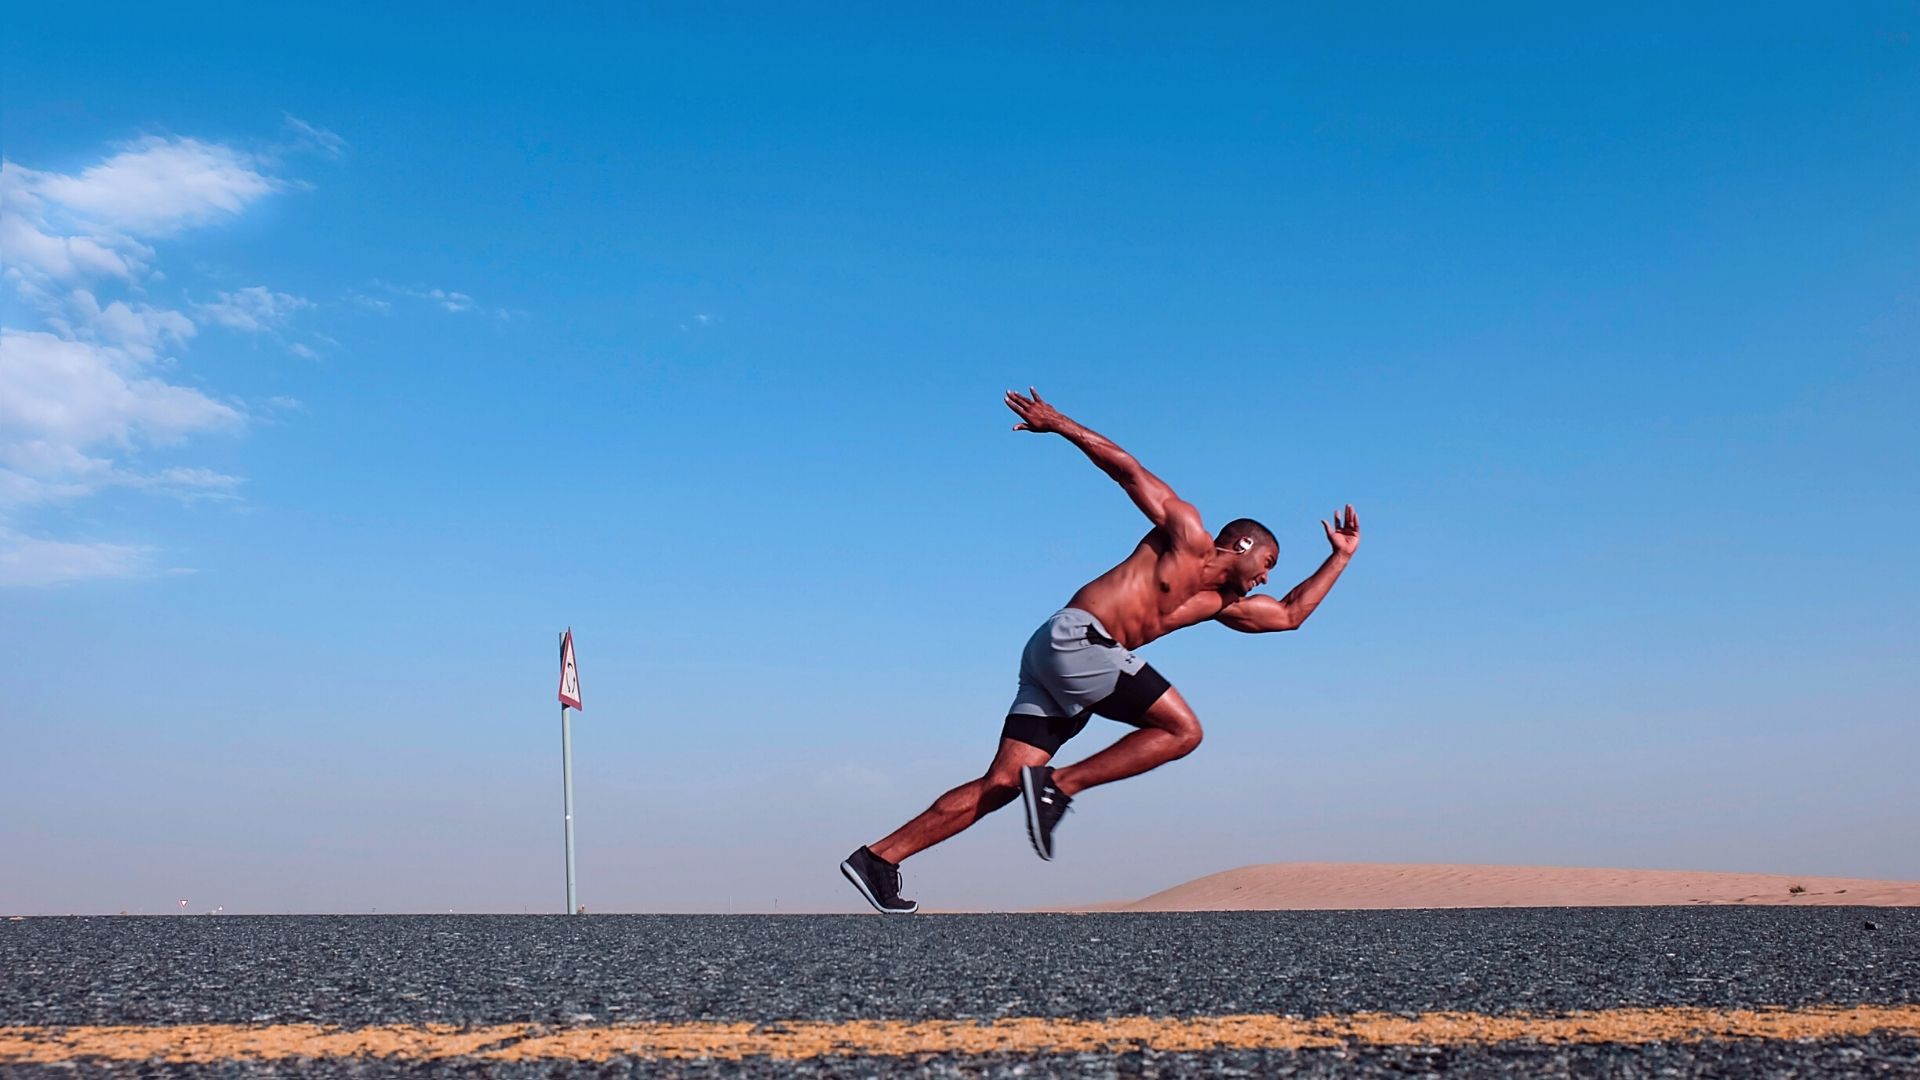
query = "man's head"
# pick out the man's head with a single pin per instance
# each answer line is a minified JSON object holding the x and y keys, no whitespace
{"x":1250,"y":552}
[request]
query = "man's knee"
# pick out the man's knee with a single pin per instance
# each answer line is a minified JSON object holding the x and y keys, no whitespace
{"x":1186,"y":739}
{"x":1171,"y":714}
{"x":1000,"y":783}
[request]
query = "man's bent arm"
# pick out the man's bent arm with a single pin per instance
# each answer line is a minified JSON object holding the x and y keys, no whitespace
{"x":1150,"y":493}
{"x":1264,"y":614}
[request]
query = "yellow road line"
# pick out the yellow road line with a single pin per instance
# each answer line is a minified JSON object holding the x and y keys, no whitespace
{"x":801,"y":1039}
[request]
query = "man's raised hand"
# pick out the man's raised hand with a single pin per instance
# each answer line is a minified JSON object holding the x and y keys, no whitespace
{"x":1344,"y":536}
{"x":1035,"y":414}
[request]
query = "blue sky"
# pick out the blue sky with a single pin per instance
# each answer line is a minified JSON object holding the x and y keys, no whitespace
{"x":347,"y":359}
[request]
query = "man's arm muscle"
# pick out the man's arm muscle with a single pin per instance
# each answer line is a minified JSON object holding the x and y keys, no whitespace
{"x":1258,"y":615}
{"x":1150,"y":493}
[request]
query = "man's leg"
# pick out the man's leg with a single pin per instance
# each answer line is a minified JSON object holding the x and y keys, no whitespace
{"x":1168,"y":730}
{"x":964,"y":805}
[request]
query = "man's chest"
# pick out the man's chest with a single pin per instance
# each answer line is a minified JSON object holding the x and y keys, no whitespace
{"x":1182,"y":597}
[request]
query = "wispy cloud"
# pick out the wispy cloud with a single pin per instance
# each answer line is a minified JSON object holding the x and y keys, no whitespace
{"x":90,"y":392}
{"x":255,"y":309}
{"x":307,"y":136}
{"x":452,"y":301}
{"x":449,"y":300}
{"x":33,"y":561}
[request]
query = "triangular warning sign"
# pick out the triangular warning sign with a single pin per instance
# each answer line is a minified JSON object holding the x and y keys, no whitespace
{"x":569,"y":675}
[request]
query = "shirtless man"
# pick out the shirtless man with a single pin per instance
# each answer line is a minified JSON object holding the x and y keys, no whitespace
{"x":1080,"y":662}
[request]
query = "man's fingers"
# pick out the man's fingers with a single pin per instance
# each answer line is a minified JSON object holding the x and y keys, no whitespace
{"x":1329,"y":528}
{"x":1020,"y":427}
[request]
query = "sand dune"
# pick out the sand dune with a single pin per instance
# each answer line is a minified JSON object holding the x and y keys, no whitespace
{"x":1307,"y":886}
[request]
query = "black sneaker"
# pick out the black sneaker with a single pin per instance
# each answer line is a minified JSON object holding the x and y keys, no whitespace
{"x":1045,"y":804}
{"x":879,"y":881}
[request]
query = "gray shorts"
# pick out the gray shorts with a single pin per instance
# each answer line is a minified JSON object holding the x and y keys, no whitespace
{"x":1071,"y":670}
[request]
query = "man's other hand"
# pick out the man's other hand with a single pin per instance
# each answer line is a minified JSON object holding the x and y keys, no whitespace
{"x":1344,"y":536}
{"x":1035,"y":414}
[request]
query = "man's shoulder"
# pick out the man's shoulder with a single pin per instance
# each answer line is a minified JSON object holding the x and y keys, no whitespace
{"x":1183,"y":543}
{"x":1185,"y":528}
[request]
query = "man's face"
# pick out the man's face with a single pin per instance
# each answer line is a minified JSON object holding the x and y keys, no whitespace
{"x":1250,"y":569}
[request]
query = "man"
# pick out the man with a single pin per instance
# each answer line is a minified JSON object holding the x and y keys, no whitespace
{"x":1080,"y":662}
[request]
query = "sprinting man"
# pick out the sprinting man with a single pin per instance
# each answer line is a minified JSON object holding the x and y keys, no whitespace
{"x":1080,"y":663}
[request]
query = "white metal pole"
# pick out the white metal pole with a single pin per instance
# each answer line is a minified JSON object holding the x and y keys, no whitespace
{"x":566,"y":786}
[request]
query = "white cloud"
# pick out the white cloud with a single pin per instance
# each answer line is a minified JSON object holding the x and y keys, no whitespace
{"x":159,"y":185}
{"x":31,"y":561}
{"x":59,"y":231}
{"x":42,"y":261}
{"x":140,"y":330}
{"x":88,"y":394}
{"x":62,"y":400}
{"x":256,"y":309}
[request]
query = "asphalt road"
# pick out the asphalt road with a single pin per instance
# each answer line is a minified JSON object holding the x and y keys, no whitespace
{"x":568,"y":973}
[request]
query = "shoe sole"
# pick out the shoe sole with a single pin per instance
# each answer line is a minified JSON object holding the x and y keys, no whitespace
{"x":1030,"y":796}
{"x":853,"y":875}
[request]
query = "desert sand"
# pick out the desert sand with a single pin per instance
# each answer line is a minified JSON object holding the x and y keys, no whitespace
{"x":1312,"y":886}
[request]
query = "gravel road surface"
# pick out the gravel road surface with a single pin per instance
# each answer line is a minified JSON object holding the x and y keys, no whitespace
{"x":562,"y":973}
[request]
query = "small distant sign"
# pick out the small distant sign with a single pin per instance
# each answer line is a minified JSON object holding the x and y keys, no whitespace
{"x":569,"y":674}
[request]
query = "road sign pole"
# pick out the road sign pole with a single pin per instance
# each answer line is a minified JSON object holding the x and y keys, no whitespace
{"x":566,"y":787}
{"x":566,"y":783}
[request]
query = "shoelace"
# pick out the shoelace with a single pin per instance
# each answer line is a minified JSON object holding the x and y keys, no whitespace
{"x":888,"y":875}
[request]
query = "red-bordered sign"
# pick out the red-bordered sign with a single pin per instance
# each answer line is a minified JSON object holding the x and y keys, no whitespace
{"x":569,"y":674}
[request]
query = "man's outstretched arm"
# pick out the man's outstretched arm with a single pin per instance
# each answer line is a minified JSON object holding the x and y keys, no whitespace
{"x":1265,"y":615}
{"x":1150,"y":493}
